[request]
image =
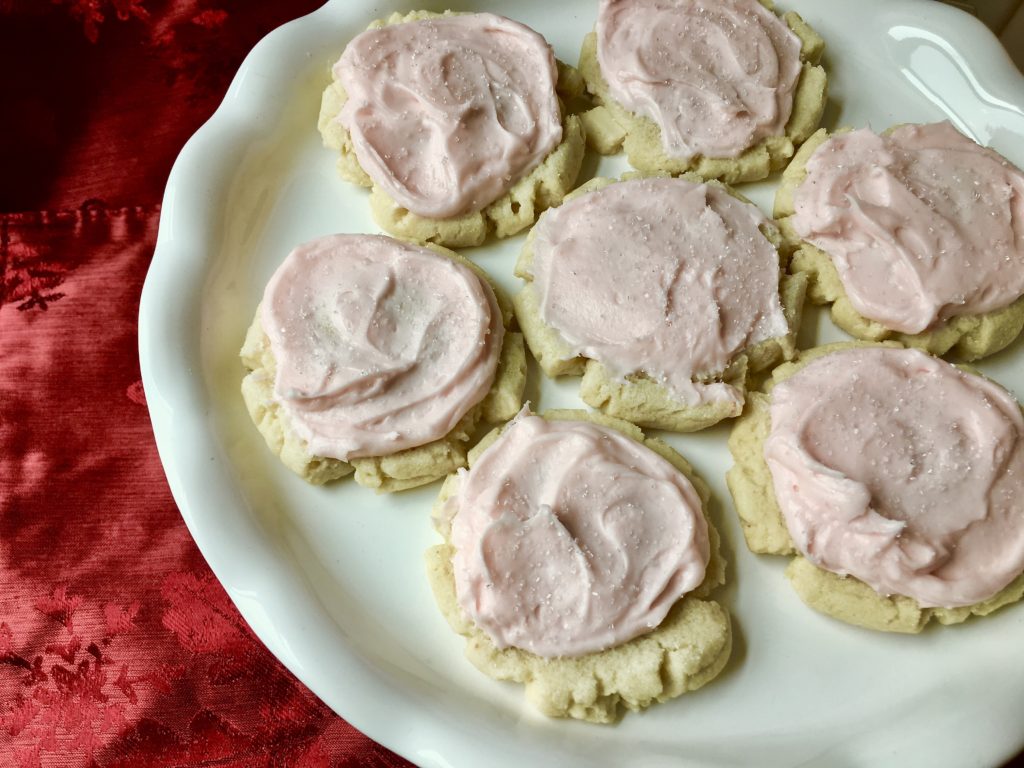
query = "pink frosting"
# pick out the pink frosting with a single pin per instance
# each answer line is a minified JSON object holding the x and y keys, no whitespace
{"x":571,"y":538}
{"x":447,"y":114}
{"x":902,"y":470}
{"x":380,"y":345}
{"x":922,"y":224}
{"x":716,"y":76}
{"x":661,"y":276}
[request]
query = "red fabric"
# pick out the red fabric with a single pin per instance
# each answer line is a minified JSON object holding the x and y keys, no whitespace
{"x":117,"y":645}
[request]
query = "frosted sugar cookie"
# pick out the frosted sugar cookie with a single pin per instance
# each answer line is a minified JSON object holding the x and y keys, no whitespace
{"x":455,"y":122}
{"x":915,"y":235}
{"x":723,"y":88}
{"x":662,"y":293}
{"x":896,"y":478}
{"x":377,"y":356}
{"x":577,"y":560}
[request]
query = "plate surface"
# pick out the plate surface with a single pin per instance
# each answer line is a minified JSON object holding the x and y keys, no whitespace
{"x":332,"y":579}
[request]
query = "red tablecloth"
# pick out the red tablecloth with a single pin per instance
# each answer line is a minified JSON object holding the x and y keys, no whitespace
{"x":117,"y":645}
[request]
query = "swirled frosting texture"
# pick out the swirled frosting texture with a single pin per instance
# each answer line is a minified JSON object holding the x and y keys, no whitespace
{"x":571,"y":538}
{"x":902,"y":470}
{"x":660,"y":276}
{"x":447,"y":114}
{"x":380,"y":345}
{"x":716,"y":76}
{"x":922,"y":224}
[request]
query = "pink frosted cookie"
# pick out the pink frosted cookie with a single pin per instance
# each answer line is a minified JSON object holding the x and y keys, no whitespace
{"x":915,"y":235}
{"x":896,"y":477}
{"x":367,"y":347}
{"x":576,"y":558}
{"x":723,"y":88}
{"x":662,"y":293}
{"x":455,"y":122}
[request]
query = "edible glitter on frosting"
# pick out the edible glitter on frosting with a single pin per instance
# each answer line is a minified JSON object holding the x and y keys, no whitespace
{"x":922,"y":224}
{"x":379,"y":345}
{"x":901,"y":470}
{"x":447,"y":114}
{"x":571,"y":538}
{"x":660,"y":276}
{"x":716,"y":76}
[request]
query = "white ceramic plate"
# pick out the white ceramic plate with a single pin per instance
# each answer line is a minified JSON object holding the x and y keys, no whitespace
{"x":331,"y":579}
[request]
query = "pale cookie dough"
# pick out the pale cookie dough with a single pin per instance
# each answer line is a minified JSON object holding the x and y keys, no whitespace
{"x":404,"y":469}
{"x":843,"y":597}
{"x":638,"y":398}
{"x":970,"y":336}
{"x":686,"y":651}
{"x":611,"y":128}
{"x":511,"y":213}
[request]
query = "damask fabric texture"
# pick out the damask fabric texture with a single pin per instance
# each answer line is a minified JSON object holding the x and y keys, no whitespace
{"x":118,"y":647}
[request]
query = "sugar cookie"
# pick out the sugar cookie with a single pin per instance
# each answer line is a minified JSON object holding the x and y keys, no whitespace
{"x":914,"y":235}
{"x":662,"y":292}
{"x":577,"y":560}
{"x":455,"y":122}
{"x":894,"y":477}
{"x":373,"y":355}
{"x":722,"y":88}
